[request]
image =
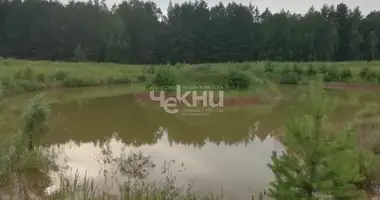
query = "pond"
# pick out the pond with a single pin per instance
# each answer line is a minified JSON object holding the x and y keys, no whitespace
{"x":227,"y":150}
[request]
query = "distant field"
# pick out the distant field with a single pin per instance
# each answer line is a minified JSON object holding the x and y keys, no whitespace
{"x":10,"y":66}
{"x":96,"y":70}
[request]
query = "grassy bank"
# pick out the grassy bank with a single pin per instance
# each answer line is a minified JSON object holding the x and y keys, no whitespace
{"x":24,"y":76}
{"x":18,"y":76}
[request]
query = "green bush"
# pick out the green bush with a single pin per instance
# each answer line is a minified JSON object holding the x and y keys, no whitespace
{"x":244,"y":66}
{"x":178,"y":66}
{"x":286,"y":70}
{"x":149,"y":86}
{"x":345,"y":74}
{"x":5,"y":81}
{"x":237,"y":80}
{"x":331,"y":74}
{"x":290,"y":78}
{"x":297,"y":70}
{"x":18,"y":74}
{"x":142,"y":78}
{"x":205,"y":68}
{"x":322,"y":69}
{"x":165,"y":78}
{"x":41,"y":77}
{"x":8,"y":85}
{"x":28,"y":85}
{"x":28,"y":74}
{"x":268,"y":68}
{"x":332,"y":157}
{"x":311,"y":70}
{"x":367,"y":74}
{"x":149,"y":70}
{"x":61,"y":75}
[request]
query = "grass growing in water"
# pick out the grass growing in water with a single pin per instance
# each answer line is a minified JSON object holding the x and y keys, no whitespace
{"x":18,"y":159}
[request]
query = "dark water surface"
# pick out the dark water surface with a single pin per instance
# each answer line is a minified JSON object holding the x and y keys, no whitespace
{"x":219,"y":150}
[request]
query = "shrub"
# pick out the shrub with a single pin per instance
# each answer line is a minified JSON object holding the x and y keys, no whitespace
{"x":311,"y":70}
{"x":268,"y":68}
{"x":149,"y":70}
{"x":41,"y":77}
{"x":367,"y":74}
{"x":28,"y":74}
{"x":74,"y":82}
{"x":286,"y":70}
{"x":315,"y":161}
{"x":28,"y":85}
{"x":5,"y":81}
{"x":178,"y":65}
{"x":18,"y":74}
{"x":61,"y":75}
{"x":8,"y":85}
{"x":331,"y":74}
{"x":345,"y":74}
{"x":237,"y":80}
{"x":290,"y":78}
{"x":297,"y":70}
{"x":165,"y":78}
{"x":17,"y":155}
{"x":149,"y":86}
{"x":35,"y":119}
{"x":245,"y":66}
{"x":322,"y":69}
{"x":366,"y":127}
{"x":142,"y":78}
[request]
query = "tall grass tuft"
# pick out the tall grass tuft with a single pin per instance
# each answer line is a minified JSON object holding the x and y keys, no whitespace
{"x":34,"y":119}
{"x":18,"y":161}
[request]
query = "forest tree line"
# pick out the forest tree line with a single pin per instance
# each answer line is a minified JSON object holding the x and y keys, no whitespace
{"x":137,"y":32}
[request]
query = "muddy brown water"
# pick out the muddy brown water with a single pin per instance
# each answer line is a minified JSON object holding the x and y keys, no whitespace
{"x":217,"y":149}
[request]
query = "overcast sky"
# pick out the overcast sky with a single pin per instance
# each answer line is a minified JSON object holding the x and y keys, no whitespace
{"x":298,"y":6}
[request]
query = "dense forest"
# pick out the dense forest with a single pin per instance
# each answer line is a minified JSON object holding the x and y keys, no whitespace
{"x":192,"y":32}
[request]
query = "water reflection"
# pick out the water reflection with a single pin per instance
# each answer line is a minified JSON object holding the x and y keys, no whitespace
{"x":239,"y":169}
{"x":136,"y":122}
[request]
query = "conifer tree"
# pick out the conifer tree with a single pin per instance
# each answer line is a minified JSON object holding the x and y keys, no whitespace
{"x":318,"y":164}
